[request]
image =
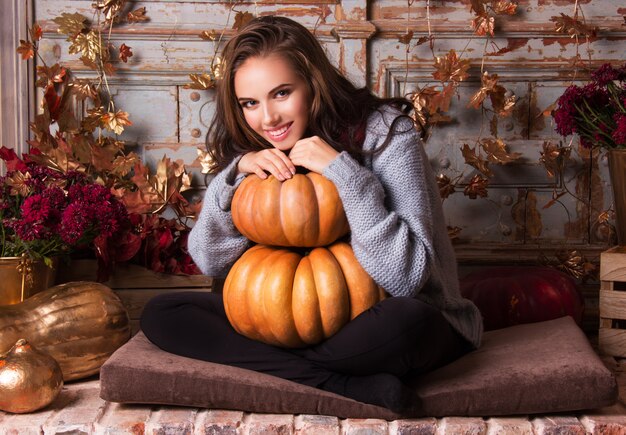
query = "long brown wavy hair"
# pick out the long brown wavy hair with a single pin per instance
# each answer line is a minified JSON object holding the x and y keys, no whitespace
{"x":337,"y":106}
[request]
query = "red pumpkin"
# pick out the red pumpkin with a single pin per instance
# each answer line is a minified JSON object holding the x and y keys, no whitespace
{"x":284,"y":298}
{"x":303,"y":211}
{"x":513,"y":295}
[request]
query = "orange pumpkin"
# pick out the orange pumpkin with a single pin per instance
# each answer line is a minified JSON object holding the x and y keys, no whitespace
{"x":286,"y":299}
{"x":303,"y":211}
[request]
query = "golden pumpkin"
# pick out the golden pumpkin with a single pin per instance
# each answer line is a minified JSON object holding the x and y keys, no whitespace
{"x":29,"y":379}
{"x":303,"y":211}
{"x":283,"y":298}
{"x":80,"y":324}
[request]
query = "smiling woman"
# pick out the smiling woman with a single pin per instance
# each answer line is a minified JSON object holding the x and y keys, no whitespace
{"x":280,"y":104}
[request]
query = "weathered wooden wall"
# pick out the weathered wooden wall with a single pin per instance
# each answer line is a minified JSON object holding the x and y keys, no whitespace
{"x":361,"y":37}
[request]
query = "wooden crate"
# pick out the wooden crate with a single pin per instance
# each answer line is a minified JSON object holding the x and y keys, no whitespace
{"x":136,"y":285}
{"x":612,"y":332}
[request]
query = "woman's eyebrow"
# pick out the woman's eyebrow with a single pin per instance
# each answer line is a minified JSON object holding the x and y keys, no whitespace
{"x":269,"y":93}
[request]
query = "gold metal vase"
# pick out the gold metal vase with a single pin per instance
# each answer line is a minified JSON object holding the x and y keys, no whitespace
{"x":21,"y":278}
{"x":617,"y":172}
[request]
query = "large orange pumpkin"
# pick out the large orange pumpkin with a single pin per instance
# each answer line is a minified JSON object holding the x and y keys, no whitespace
{"x":284,"y":298}
{"x":303,"y":211}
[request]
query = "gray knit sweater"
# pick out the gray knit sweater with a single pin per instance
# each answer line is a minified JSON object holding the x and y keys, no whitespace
{"x":398,"y":231}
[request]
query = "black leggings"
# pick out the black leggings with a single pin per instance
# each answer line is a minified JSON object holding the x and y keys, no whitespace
{"x":397,"y":337}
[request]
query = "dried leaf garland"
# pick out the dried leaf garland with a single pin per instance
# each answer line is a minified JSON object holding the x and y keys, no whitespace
{"x":125,"y":52}
{"x":406,"y":38}
{"x":205,"y":160}
{"x":476,"y":187}
{"x":155,"y":192}
{"x":473,"y":158}
{"x":200,"y":81}
{"x":572,"y":26}
{"x":26,"y":49}
{"x":446,"y":187}
{"x":70,"y":24}
{"x":451,"y":68}
{"x":483,"y":25}
{"x":208,"y":35}
{"x":116,"y":121}
{"x":495,"y":149}
{"x":241,"y":19}
{"x":553,"y":158}
{"x":110,"y":8}
{"x":136,"y":16}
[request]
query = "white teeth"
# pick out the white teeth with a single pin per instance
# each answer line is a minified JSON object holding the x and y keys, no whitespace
{"x":278,"y":132}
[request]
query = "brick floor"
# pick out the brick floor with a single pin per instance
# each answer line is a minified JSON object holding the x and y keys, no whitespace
{"x":79,"y":410}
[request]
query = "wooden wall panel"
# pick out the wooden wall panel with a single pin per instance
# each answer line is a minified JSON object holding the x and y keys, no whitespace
{"x":361,"y":38}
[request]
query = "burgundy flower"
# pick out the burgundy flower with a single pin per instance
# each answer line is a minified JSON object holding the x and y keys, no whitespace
{"x":605,"y":74}
{"x":619,"y":135}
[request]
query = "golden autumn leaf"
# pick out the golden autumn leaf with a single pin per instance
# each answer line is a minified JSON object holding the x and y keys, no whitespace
{"x":110,"y":8}
{"x":19,"y":183}
{"x":200,"y":81}
{"x":155,"y":192}
{"x":483,"y":25}
{"x":572,"y":26}
{"x":26,"y":49}
{"x":574,"y":263}
{"x":496,"y":151}
{"x":48,"y":75}
{"x":450,"y":68}
{"x":36,"y":32}
{"x":93,"y":119}
{"x":89,"y":45}
{"x":553,"y":158}
{"x":125,"y":52}
{"x":137,"y":15}
{"x":605,"y":217}
{"x":123,"y":164}
{"x":216,"y":67}
{"x":241,"y":19}
{"x":476,"y":187}
{"x":503,"y":7}
{"x":208,"y":35}
{"x":504,"y":107}
{"x":489,"y":85}
{"x":116,"y":121}
{"x":84,"y":89}
{"x":205,"y":160}
{"x":440,"y":101}
{"x":446,"y":187}
{"x":70,"y":24}
{"x":473,"y":158}
{"x":406,"y":38}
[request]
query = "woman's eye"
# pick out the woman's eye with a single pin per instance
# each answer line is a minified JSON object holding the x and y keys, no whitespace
{"x":282,"y":93}
{"x":248,"y":104}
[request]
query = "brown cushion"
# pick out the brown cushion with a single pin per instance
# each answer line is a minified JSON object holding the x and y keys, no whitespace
{"x":533,"y":368}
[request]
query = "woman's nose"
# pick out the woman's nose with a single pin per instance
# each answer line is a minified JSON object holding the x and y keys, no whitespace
{"x":270,"y":115}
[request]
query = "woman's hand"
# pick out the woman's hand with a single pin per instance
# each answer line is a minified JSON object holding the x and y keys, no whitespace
{"x":313,"y":153}
{"x":271,"y":160}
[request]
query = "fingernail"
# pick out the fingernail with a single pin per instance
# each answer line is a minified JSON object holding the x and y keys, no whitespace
{"x":287,"y":174}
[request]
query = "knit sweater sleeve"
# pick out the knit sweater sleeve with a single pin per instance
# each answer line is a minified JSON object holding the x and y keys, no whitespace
{"x":389,"y":209}
{"x":214,"y":242}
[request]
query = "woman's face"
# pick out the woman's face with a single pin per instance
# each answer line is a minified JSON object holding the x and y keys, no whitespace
{"x":274,"y":100}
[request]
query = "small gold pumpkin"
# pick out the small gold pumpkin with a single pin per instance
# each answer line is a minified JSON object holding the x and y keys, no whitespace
{"x":29,"y":379}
